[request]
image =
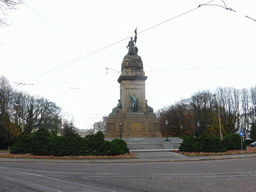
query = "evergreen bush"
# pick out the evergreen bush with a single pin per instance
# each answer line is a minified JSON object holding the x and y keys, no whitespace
{"x":40,"y":142}
{"x":122,"y":144}
{"x":211,"y":143}
{"x":253,"y":131}
{"x":70,"y":144}
{"x":43,"y":143}
{"x":189,"y":145}
{"x":233,"y":142}
{"x":204,"y":143}
{"x":114,"y":149}
{"x":22,"y":145}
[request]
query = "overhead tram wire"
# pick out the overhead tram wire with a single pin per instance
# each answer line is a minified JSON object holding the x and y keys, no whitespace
{"x":174,"y":18}
{"x":162,"y":70}
{"x":227,"y":8}
{"x":71,"y":62}
{"x":44,"y":19}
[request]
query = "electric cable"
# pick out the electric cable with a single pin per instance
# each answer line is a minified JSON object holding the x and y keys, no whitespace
{"x":230,"y":9}
{"x":71,"y":62}
{"x":156,"y":71}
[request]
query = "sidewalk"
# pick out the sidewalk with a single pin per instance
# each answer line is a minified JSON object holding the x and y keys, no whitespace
{"x":143,"y":157}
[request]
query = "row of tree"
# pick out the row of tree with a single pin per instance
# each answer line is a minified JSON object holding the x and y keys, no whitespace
{"x":22,"y":112}
{"x":205,"y":112}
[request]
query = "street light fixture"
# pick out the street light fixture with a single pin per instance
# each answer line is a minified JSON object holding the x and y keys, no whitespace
{"x":181,"y":128}
{"x":167,"y":130}
{"x":120,"y":124}
{"x":198,"y":125}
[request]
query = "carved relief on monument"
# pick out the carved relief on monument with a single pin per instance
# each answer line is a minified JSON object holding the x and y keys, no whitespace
{"x":131,"y":62}
{"x":136,"y":126}
{"x":111,"y":127}
{"x":156,"y":127}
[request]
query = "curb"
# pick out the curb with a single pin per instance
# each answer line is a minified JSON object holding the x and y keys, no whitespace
{"x":20,"y":160}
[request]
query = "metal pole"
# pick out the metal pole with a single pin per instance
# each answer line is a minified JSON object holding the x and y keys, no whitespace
{"x":22,"y":120}
{"x":120,"y":132}
{"x":167,"y":130}
{"x":219,"y":123}
{"x":120,"y":124}
{"x":242,"y":145}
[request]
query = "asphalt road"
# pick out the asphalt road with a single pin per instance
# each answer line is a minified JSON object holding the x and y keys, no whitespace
{"x":208,"y":175}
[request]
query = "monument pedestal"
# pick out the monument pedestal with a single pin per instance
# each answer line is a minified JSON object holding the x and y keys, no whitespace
{"x":136,"y":117}
{"x":133,"y":125}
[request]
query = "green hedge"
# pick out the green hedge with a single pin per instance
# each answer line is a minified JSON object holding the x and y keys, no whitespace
{"x":189,"y":144}
{"x":211,"y":143}
{"x":43,"y":143}
{"x":22,"y":145}
{"x":233,"y":142}
{"x":204,"y":143}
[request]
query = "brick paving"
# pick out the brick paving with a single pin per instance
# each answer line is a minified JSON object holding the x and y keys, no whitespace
{"x":8,"y":186}
{"x":236,"y":174}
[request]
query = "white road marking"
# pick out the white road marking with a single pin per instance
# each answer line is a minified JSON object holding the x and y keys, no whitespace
{"x":51,"y":178}
{"x":11,"y":178}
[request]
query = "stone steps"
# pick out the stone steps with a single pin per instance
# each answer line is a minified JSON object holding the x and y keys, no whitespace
{"x":151,"y":143}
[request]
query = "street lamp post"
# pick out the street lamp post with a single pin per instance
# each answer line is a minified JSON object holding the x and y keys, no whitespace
{"x":167,"y":130}
{"x":198,"y":125}
{"x":181,"y":128}
{"x":120,"y":124}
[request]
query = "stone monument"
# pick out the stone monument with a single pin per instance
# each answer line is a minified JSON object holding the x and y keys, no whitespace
{"x":132,"y":117}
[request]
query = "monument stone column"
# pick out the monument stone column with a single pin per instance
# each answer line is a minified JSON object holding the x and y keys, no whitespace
{"x":138,"y":119}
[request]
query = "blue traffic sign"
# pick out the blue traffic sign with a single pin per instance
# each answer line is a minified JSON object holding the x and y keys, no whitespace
{"x":241,"y":133}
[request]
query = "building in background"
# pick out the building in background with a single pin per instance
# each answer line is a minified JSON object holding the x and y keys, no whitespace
{"x":100,"y":126}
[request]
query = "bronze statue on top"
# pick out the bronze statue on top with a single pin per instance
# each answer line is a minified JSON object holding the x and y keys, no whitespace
{"x":132,"y":49}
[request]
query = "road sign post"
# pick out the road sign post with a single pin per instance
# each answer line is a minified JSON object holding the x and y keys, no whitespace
{"x":241,"y":134}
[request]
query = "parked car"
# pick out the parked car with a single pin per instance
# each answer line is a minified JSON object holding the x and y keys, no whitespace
{"x":253,"y":144}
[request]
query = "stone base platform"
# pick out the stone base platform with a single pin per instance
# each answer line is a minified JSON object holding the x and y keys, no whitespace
{"x":154,"y":143}
{"x":133,"y":125}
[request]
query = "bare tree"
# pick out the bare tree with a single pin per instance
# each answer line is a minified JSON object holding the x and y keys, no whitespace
{"x":27,"y":113}
{"x":229,"y":100}
{"x":6,"y":5}
{"x":201,"y":104}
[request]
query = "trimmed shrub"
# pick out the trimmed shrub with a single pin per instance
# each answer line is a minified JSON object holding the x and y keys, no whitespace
{"x":211,"y":143}
{"x":40,"y":142}
{"x":122,"y":144}
{"x":55,"y":146}
{"x":114,"y":149}
{"x":22,"y":145}
{"x":43,"y":143}
{"x":253,"y":131}
{"x":233,"y":142}
{"x":204,"y":143}
{"x":99,"y":136}
{"x":189,"y":145}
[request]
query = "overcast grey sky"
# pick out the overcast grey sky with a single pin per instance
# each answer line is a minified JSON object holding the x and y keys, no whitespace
{"x":58,"y":47}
